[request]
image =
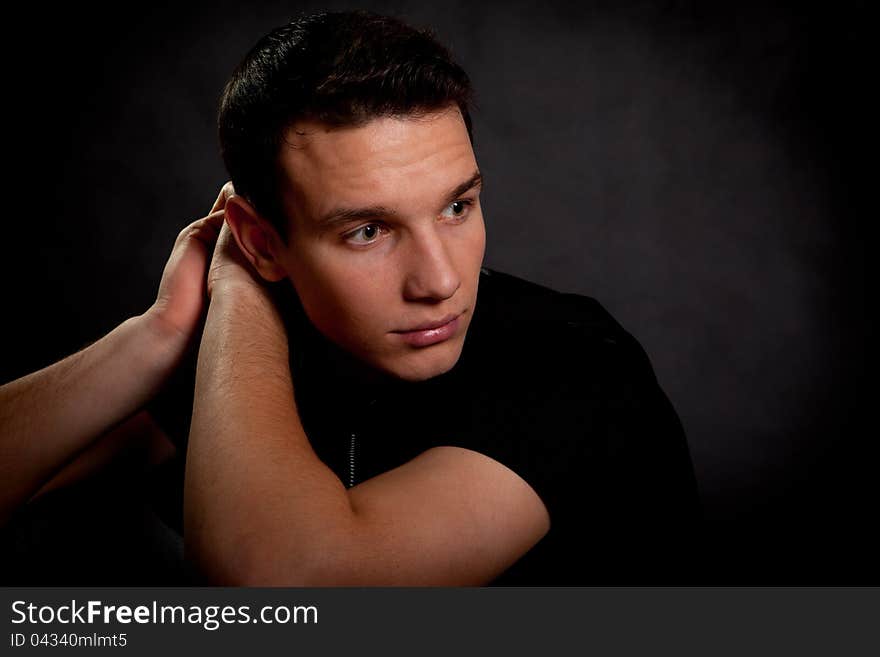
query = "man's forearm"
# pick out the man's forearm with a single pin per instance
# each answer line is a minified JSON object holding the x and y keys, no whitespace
{"x":49,"y":416}
{"x":250,"y":467}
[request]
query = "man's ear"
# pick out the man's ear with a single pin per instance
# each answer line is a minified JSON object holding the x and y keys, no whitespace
{"x":256,"y":237}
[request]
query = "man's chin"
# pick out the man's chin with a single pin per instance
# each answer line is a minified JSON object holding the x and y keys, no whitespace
{"x":427,"y":362}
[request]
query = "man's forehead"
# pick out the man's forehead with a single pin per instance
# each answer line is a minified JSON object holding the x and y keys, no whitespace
{"x":304,"y":133}
{"x":324,"y":165}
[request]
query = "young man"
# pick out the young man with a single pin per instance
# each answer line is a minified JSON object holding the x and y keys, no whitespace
{"x":371,"y":406}
{"x":423,"y":432}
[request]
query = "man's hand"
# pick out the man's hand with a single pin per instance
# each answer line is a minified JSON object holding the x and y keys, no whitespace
{"x":180,"y":304}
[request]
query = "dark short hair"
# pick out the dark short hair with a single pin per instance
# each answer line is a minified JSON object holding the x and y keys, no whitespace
{"x":340,"y":68}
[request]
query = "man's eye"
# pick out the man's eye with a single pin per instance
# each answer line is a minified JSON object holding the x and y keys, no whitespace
{"x":459,"y":209}
{"x":365,"y":234}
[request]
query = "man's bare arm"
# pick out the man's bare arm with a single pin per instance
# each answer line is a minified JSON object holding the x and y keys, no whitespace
{"x":137,"y":444}
{"x":261,"y":508}
{"x":49,"y":417}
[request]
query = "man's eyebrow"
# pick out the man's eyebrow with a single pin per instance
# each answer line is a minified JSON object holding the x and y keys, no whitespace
{"x":345,"y":215}
{"x":475,"y":180}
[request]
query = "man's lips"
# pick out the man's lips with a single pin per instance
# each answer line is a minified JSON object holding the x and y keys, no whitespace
{"x":426,"y":326}
{"x":431,"y":332}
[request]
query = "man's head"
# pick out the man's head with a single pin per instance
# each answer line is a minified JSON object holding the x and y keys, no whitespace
{"x":348,"y":139}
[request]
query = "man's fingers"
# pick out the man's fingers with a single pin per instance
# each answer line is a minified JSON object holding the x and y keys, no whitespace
{"x":225,"y":192}
{"x":210,"y":226}
{"x":206,"y":229}
{"x":215,"y":219}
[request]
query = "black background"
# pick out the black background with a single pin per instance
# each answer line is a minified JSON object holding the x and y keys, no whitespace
{"x":701,"y":168}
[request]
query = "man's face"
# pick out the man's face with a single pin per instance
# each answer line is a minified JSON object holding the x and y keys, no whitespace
{"x":386,"y":237}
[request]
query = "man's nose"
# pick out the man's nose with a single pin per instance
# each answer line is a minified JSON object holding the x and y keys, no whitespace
{"x":431,"y":274}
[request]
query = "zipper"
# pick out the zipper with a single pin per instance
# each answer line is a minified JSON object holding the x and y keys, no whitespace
{"x":351,"y":452}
